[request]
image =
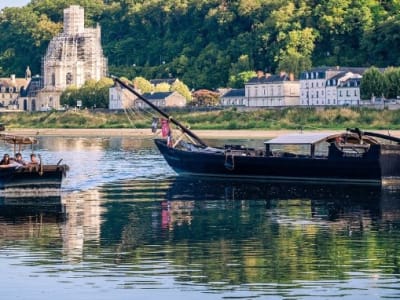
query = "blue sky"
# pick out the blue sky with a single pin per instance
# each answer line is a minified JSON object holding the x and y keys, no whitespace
{"x":4,"y":3}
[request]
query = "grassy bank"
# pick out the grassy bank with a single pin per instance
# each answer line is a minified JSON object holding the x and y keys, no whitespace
{"x":290,"y":118}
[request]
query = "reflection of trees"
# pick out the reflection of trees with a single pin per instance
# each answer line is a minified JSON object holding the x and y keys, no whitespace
{"x":279,"y":233}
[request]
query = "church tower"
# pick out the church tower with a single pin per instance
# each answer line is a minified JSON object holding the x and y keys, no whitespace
{"x":75,"y":55}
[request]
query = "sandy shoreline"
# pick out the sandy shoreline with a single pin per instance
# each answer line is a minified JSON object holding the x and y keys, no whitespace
{"x":147,"y":132}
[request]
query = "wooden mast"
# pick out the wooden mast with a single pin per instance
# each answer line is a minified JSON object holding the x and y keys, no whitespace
{"x":165,"y":115}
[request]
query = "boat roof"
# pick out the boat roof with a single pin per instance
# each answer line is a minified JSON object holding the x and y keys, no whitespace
{"x":18,"y":140}
{"x":300,"y":138}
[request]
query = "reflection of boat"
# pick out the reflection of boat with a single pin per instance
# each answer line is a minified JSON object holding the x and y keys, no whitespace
{"x":353,"y":155}
{"x":191,"y":188}
{"x":333,"y":199}
{"x":38,"y":175}
{"x":13,"y":206}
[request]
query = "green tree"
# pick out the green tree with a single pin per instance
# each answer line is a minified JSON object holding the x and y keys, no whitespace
{"x":238,"y":81}
{"x":93,"y":94}
{"x":392,"y":82}
{"x":372,"y":84}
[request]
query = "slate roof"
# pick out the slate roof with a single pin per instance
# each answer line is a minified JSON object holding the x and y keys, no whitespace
{"x":170,"y":81}
{"x":34,"y":86}
{"x":269,"y":79}
{"x":234,"y":93}
{"x":10,"y":84}
{"x":351,"y":82}
{"x":157,"y":96}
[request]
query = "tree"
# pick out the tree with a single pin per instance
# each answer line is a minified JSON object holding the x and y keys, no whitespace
{"x":238,"y":81}
{"x":392,"y":82}
{"x":182,"y":89}
{"x":296,"y":55}
{"x":162,"y":87}
{"x":372,"y":84}
{"x":205,"y":98}
{"x":142,"y":84}
{"x":92,"y":94}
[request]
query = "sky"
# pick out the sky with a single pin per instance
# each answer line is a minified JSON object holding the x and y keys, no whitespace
{"x":10,"y":3}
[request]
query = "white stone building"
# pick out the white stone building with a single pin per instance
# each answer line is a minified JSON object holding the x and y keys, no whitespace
{"x":272,"y":90}
{"x":321,"y":86}
{"x":72,"y":57}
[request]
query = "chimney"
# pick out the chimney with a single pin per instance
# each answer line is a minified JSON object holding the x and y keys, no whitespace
{"x":291,"y":76}
{"x":282,"y":73}
{"x":267,"y":75}
{"x":13,"y":78}
{"x":260,"y":73}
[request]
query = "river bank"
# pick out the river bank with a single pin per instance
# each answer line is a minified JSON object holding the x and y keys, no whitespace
{"x":146,"y":133}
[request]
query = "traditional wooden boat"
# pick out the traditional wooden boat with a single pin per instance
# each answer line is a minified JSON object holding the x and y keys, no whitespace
{"x":30,"y":175}
{"x":351,"y":156}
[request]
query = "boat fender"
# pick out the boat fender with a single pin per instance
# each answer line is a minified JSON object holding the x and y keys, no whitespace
{"x":229,"y":163}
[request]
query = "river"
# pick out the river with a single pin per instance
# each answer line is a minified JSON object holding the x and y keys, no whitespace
{"x":125,"y":226}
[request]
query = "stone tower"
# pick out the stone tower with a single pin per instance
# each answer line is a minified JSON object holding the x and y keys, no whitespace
{"x":75,"y":55}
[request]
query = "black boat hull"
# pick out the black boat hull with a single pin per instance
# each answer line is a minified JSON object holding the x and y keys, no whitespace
{"x":368,"y":169}
{"x":47,"y":176}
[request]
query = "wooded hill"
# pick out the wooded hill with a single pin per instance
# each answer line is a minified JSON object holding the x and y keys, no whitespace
{"x":210,"y":43}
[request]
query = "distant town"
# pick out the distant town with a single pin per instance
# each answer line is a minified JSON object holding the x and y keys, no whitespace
{"x":75,"y":56}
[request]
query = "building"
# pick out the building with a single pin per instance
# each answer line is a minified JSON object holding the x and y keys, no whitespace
{"x":10,"y":89}
{"x":234,"y":97}
{"x":162,"y":99}
{"x":72,"y":57}
{"x":348,"y":91}
{"x":121,"y":98}
{"x":268,"y":90}
{"x":319,"y":86}
{"x":28,"y":99}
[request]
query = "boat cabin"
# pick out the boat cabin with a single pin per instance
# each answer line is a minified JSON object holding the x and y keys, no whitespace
{"x":315,"y":145}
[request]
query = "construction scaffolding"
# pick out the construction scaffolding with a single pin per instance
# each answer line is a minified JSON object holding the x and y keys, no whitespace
{"x":75,"y":55}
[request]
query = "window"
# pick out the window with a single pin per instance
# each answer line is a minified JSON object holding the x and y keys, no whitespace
{"x":68,"y":78}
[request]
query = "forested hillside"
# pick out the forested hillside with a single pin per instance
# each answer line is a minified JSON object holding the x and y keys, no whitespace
{"x":207,"y":42}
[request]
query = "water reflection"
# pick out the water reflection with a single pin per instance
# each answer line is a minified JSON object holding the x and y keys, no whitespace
{"x":229,"y":238}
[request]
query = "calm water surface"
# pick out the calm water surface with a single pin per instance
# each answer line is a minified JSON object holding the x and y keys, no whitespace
{"x":126,"y":227}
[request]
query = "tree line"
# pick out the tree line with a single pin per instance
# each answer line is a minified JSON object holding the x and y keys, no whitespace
{"x":212,"y":43}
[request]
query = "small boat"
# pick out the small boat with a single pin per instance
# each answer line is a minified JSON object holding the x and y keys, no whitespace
{"x":350,"y":156}
{"x":29,"y":175}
